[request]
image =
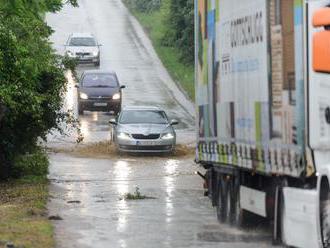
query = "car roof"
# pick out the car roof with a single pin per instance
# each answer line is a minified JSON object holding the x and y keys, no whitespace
{"x":142,"y":108}
{"x":85,"y":35}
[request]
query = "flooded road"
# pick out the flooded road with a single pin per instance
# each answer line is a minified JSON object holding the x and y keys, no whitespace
{"x":88,"y":192}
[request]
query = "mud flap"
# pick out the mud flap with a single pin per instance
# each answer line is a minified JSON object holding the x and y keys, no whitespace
{"x":300,"y":217}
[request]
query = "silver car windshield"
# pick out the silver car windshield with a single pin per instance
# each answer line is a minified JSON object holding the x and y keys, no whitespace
{"x":100,"y":80}
{"x":143,"y":116}
{"x":82,"y":41}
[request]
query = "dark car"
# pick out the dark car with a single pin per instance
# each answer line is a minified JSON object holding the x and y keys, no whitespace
{"x":99,"y":91}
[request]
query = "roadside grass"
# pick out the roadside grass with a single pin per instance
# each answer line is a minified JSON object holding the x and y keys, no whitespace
{"x":23,"y":213}
{"x":183,"y":74}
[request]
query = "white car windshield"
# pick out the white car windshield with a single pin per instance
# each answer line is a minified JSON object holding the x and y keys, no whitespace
{"x":82,"y":41}
{"x":143,"y":116}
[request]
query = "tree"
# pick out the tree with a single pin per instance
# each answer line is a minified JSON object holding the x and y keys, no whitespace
{"x":179,"y":20}
{"x":32,"y":80}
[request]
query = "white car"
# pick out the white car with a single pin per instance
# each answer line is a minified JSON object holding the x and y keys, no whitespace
{"x":84,"y":48}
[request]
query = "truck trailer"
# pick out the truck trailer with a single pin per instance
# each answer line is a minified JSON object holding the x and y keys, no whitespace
{"x":262,"y":77}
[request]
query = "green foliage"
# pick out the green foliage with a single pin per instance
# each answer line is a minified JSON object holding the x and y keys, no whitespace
{"x":136,"y":195}
{"x":179,"y":22}
{"x":178,"y":19}
{"x":31,"y":164}
{"x":32,"y":80}
{"x":144,"y":6}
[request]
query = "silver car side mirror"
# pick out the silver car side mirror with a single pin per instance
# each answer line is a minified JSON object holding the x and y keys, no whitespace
{"x":174,"y":122}
{"x":113,"y":122}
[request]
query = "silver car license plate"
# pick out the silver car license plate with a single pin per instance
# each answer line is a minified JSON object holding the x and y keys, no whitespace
{"x":100,"y":104}
{"x":145,"y":143}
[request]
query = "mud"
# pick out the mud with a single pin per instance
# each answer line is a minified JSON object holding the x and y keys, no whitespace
{"x":107,"y":149}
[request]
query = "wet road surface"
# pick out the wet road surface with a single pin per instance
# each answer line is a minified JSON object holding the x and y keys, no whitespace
{"x":88,"y":192}
{"x":96,"y":215}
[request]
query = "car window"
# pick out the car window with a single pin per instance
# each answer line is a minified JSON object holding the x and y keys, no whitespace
{"x":82,"y":41}
{"x":100,"y":80}
{"x":143,"y":116}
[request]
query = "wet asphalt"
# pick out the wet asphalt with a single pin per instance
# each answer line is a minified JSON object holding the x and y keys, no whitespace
{"x":88,"y":193}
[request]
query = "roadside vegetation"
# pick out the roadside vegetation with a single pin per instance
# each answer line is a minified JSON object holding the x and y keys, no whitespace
{"x":136,"y":196}
{"x":32,"y":84}
{"x":170,"y":26}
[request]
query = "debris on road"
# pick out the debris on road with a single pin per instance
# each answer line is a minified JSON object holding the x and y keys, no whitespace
{"x":55,"y":217}
{"x":70,"y":202}
{"x":136,"y":195}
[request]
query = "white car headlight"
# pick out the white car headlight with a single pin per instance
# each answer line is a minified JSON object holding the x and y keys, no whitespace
{"x":168,"y":136}
{"x":116,"y":96}
{"x":83,"y":96}
{"x":123,"y":135}
{"x":95,"y":53}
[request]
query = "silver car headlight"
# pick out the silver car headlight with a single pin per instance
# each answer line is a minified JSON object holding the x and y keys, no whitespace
{"x":83,"y":96}
{"x":168,"y":136}
{"x":95,"y":53}
{"x":116,"y":96}
{"x":124,"y":136}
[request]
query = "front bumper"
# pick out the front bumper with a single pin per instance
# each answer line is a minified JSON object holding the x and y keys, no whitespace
{"x":86,"y":59}
{"x":146,"y":146}
{"x":100,"y":105}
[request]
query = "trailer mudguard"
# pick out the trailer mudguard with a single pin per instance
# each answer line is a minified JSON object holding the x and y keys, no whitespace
{"x":300,"y":218}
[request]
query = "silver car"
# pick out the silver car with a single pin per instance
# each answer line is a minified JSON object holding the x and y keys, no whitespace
{"x":84,"y":48}
{"x":144,"y":129}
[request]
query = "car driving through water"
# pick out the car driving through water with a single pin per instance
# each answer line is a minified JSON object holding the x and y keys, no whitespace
{"x":99,"y":90}
{"x":144,"y":129}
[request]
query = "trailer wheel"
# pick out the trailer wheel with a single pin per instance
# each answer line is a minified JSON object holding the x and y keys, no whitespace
{"x":222,"y":205}
{"x":231,"y":211}
{"x":279,"y":215}
{"x":239,"y":217}
{"x":325,"y":213}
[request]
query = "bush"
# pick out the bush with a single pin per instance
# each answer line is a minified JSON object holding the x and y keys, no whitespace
{"x":31,"y":164}
{"x":179,"y":22}
{"x":32,"y":80}
{"x":144,"y":6}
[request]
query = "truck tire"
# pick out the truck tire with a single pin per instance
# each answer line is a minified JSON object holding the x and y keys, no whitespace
{"x":325,"y":213}
{"x":222,"y":205}
{"x":239,"y":217}
{"x":278,"y":231}
{"x":231,"y":209}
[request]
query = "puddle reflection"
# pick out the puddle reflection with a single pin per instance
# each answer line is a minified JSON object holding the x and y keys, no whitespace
{"x":95,"y":116}
{"x":170,"y":169}
{"x":84,"y":127}
{"x":122,"y":173}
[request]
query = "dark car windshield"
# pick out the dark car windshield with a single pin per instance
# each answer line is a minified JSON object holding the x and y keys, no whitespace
{"x":101,"y":80}
{"x":143,"y":116}
{"x":82,"y":41}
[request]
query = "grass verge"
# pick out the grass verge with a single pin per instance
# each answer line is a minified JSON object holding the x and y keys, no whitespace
{"x":183,"y":74}
{"x":23,"y":213}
